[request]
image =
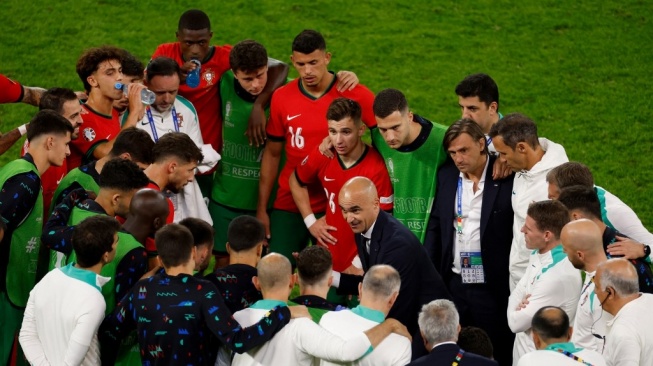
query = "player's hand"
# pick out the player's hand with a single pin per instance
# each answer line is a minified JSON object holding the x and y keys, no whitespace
{"x":256,"y":126}
{"x":500,"y":169}
{"x":81,"y":95}
{"x":299,"y":311}
{"x":185,"y":69}
{"x":325,"y":147}
{"x":135,"y":103}
{"x":399,"y":328}
{"x":263,"y":216}
{"x":626,"y":247}
{"x":523,"y":303}
{"x":347,"y":80}
{"x":151,"y":272}
{"x":353,"y":270}
{"x":320,"y":230}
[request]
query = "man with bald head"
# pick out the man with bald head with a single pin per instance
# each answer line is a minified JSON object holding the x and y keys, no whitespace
{"x":306,"y":339}
{"x":581,"y":240}
{"x":630,"y":332}
{"x":147,"y":214}
{"x":382,"y":239}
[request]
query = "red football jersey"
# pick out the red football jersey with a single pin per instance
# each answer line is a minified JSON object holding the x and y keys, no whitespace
{"x":96,"y":128}
{"x":299,"y":120}
{"x":332,"y":175}
{"x":49,"y":181}
{"x":10,"y":91}
{"x":206,"y":97}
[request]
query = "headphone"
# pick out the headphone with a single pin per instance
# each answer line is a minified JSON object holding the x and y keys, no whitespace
{"x":609,"y":291}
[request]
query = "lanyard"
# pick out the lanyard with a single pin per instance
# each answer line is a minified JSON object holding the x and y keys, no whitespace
{"x":459,"y":357}
{"x":488,"y":140}
{"x":573,"y":356}
{"x":155,"y":135}
{"x":459,"y":207}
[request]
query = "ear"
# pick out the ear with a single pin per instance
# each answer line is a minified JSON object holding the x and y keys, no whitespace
{"x":392,"y":300}
{"x":410,"y":115}
{"x":91,"y":81}
{"x":521,"y":147}
{"x":327,"y":56}
{"x":157,"y":223}
{"x":125,"y":156}
{"x":158,"y":259}
{"x":360,"y":291}
{"x":259,"y":250}
{"x":576,"y":215}
{"x":330,"y":280}
{"x":228,"y":248}
{"x":115,"y":198}
{"x":493,"y":107}
{"x":292,"y":281}
{"x":481,"y":143}
{"x":569,"y":333}
{"x":536,"y":340}
{"x":295,"y":277}
{"x":256,"y":283}
{"x":172,"y":166}
{"x":361,"y":129}
{"x":426,"y":343}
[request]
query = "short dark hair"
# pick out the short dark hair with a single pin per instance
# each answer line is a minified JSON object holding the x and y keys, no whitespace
{"x":549,"y":215}
{"x":314,"y":264}
{"x":131,"y":65}
{"x":135,"y":142}
{"x":476,"y":340}
{"x":552,"y":325}
{"x":515,"y":128}
{"x":581,"y":198}
{"x":174,"y":243}
{"x":570,"y":174}
{"x":54,"y":99}
{"x":247,"y":56}
{"x":162,"y":66}
{"x":194,"y":19}
{"x":388,"y":101}
{"x":481,"y":86}
{"x":123,"y":175}
{"x":48,"y":122}
{"x":178,"y":145}
{"x":92,"y":238}
{"x":202,"y":231}
{"x":464,"y":126}
{"x":245,"y":232}
{"x":92,"y":58}
{"x":308,"y":41}
{"x":341,"y":108}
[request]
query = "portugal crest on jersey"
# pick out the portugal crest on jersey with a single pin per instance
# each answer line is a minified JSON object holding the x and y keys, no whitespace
{"x":89,"y":134}
{"x":209,"y":76}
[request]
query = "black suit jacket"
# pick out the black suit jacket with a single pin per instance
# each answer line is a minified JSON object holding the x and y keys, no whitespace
{"x":496,"y":227}
{"x":445,"y":354}
{"x":393,"y":244}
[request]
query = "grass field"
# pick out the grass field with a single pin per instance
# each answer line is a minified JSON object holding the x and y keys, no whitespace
{"x":581,"y":69}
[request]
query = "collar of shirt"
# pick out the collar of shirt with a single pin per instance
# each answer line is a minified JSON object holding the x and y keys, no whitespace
{"x":85,"y":275}
{"x":624,"y":309}
{"x":439,"y":344}
{"x":267,"y":304}
{"x":369,"y":314}
{"x":368,"y":234}
{"x":568,"y":346}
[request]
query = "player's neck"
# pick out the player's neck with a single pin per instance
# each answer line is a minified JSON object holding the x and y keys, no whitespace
{"x":549,"y":246}
{"x":355,"y":154}
{"x":104,"y":201}
{"x":40,"y":159}
{"x":185,"y":268}
{"x":534,"y":157}
{"x":246,"y":258}
{"x":592,"y":262}
{"x":477,"y":174}
{"x":100,"y":163}
{"x":414,"y":130}
{"x":319,"y":89}
{"x":99,"y":102}
{"x":139,"y":230}
{"x":157,"y":174}
{"x":319,"y":290}
{"x":95,"y":268}
{"x":280,"y":294}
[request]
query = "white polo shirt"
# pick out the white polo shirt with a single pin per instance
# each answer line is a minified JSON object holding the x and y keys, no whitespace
{"x":551,"y":356}
{"x":630,"y":334}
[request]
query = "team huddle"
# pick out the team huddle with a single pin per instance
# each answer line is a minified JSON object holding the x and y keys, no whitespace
{"x":204,"y":209}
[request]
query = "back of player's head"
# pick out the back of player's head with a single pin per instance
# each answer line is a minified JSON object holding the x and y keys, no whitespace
{"x":194,"y":19}
{"x":162,"y":66}
{"x":131,"y":65}
{"x":618,"y":276}
{"x":174,"y":243}
{"x":481,"y":86}
{"x":91,"y":59}
{"x":388,"y":101}
{"x":135,"y":142}
{"x":583,"y":199}
{"x":550,"y":322}
{"x":570,"y":174}
{"x":381,"y":281}
{"x":178,"y":145}
{"x":273,"y":271}
{"x":476,"y":340}
{"x":248,"y":56}
{"x":464,"y":126}
{"x":48,"y":122}
{"x":308,"y":41}
{"x":202,"y":231}
{"x":342,"y":108}
{"x":549,"y":215}
{"x":515,"y":128}
{"x":244,"y":233}
{"x":122,"y":175}
{"x":54,"y":99}
{"x":92,"y":238}
{"x":438,"y":321}
{"x":314,"y":265}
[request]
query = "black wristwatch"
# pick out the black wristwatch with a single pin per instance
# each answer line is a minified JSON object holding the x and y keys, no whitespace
{"x":647,"y":250}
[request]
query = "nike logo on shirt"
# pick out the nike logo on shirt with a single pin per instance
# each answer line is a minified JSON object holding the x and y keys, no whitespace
{"x":290,"y":118}
{"x":59,"y":180}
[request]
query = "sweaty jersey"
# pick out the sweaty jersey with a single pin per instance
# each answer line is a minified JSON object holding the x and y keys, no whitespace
{"x":205,"y":97}
{"x":299,"y":119}
{"x":96,"y":128}
{"x":10,"y":91}
{"x":331,"y":174}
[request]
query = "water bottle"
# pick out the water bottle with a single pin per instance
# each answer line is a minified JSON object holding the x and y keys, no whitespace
{"x":193,"y":77}
{"x":147,"y":96}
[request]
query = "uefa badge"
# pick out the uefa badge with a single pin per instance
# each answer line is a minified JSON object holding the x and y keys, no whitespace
{"x":391,"y":167}
{"x":89,"y":134}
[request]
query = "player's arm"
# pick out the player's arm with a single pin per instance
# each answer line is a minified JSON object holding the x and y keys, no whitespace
{"x":32,"y":95}
{"x":57,"y":235}
{"x":115,"y":327}
{"x":269,"y":168}
{"x":318,"y":227}
{"x":277,"y":74}
{"x":9,"y":139}
{"x":517,"y":296}
{"x":130,"y":269}
{"x":18,"y":197}
{"x":29,"y":336}
{"x":347,"y":80}
{"x":84,"y":330}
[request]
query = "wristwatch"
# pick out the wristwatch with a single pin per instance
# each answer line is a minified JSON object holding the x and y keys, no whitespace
{"x":647,"y":250}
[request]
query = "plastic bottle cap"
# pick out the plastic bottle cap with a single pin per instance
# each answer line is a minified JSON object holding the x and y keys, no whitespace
{"x":118,"y":85}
